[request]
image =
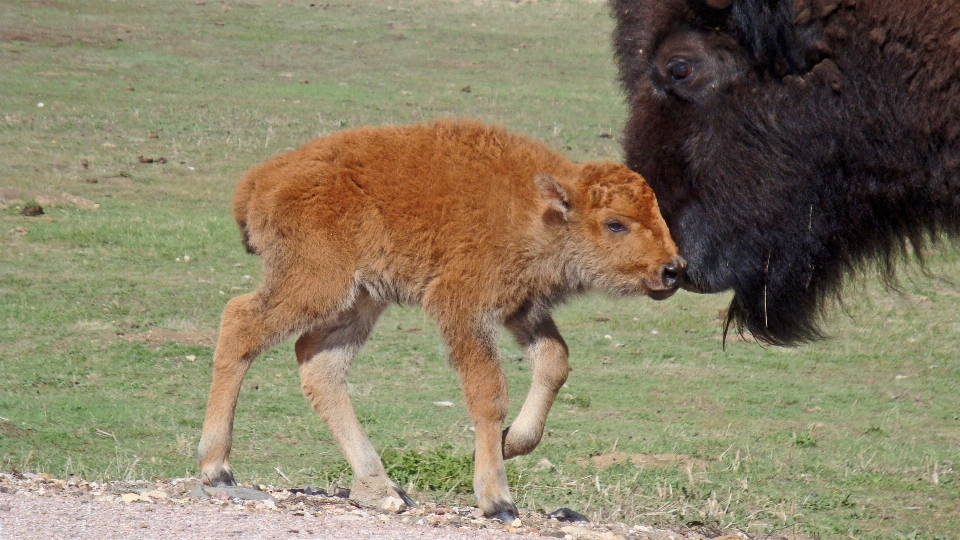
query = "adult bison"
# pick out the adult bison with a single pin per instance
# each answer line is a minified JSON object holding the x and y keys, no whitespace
{"x":482,"y":227}
{"x":791,"y":143}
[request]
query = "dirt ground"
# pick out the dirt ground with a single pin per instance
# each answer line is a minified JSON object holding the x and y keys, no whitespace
{"x":41,"y":506}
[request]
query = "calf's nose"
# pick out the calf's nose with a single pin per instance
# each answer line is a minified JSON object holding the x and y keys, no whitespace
{"x":673,"y":272}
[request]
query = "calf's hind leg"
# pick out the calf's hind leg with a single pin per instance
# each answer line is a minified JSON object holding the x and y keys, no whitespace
{"x":325,"y":355}
{"x":252,"y":323}
{"x":547,"y":352}
{"x":246,"y":330}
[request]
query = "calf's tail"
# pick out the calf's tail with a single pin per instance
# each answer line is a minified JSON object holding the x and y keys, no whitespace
{"x":241,"y":203}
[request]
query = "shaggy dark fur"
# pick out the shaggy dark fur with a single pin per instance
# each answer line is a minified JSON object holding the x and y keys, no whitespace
{"x":791,"y":143}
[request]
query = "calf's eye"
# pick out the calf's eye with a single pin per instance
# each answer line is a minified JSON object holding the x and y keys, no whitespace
{"x":679,"y":69}
{"x":616,"y":226}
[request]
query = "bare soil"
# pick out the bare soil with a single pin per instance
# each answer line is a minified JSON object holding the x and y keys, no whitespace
{"x":41,"y":506}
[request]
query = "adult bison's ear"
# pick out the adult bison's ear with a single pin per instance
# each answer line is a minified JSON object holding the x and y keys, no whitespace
{"x":554,"y":194}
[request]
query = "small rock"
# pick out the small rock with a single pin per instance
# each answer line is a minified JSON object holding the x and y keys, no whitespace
{"x":578,"y":532}
{"x":19,"y":230}
{"x":516,"y":523}
{"x":394,"y":505}
{"x":443,"y":403}
{"x":133,"y":497}
{"x":309,"y":490}
{"x":155,"y":494}
{"x":230,"y":492}
{"x":543,"y":465}
{"x":340,"y":492}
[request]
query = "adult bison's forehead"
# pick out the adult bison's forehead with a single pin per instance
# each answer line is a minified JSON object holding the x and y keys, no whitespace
{"x":778,"y":37}
{"x":640,"y":24}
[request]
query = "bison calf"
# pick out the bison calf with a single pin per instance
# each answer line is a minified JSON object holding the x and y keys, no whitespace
{"x":482,"y":227}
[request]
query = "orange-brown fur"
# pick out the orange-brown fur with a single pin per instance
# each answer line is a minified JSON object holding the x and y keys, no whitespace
{"x":482,"y":227}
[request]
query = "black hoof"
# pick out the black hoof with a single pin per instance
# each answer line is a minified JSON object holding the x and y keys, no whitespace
{"x":221,"y":479}
{"x":406,"y":498}
{"x":340,"y":492}
{"x":507,"y":517}
{"x":566,"y":514}
{"x":504,"y":511}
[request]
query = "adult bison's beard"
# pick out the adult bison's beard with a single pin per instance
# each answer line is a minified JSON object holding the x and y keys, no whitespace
{"x":781,"y":276}
{"x":768,"y":223}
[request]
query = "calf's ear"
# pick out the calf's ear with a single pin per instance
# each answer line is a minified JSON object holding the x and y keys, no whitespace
{"x":553,"y":193}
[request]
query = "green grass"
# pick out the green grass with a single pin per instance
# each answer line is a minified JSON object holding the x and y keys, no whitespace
{"x":107,"y":334}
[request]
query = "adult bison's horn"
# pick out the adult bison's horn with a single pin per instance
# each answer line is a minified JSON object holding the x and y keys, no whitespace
{"x":719,"y":4}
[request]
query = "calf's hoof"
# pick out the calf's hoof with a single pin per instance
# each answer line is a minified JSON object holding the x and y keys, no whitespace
{"x":373,"y":490}
{"x":221,"y":478}
{"x":503,"y":511}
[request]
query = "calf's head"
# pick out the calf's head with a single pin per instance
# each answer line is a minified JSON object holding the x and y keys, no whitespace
{"x":616,"y":237}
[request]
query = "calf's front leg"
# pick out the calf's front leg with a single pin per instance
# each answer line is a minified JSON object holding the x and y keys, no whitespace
{"x":485,"y":392}
{"x":548,"y":354}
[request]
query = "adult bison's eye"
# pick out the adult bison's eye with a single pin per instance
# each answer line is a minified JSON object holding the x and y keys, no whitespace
{"x":616,"y":226}
{"x":679,"y":69}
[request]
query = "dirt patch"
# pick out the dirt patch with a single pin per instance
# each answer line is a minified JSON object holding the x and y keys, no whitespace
{"x":113,"y":181}
{"x":161,"y":335}
{"x":604,"y":461}
{"x":8,"y":430}
{"x":48,"y":507}
{"x":37,"y":35}
{"x":11,"y":196}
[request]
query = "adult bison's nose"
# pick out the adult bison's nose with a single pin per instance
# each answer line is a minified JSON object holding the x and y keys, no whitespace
{"x":672,"y":273}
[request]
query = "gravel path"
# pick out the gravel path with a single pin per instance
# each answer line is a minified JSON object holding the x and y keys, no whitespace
{"x":43,"y":507}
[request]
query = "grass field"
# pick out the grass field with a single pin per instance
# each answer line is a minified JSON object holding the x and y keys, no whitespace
{"x":107,"y":330}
